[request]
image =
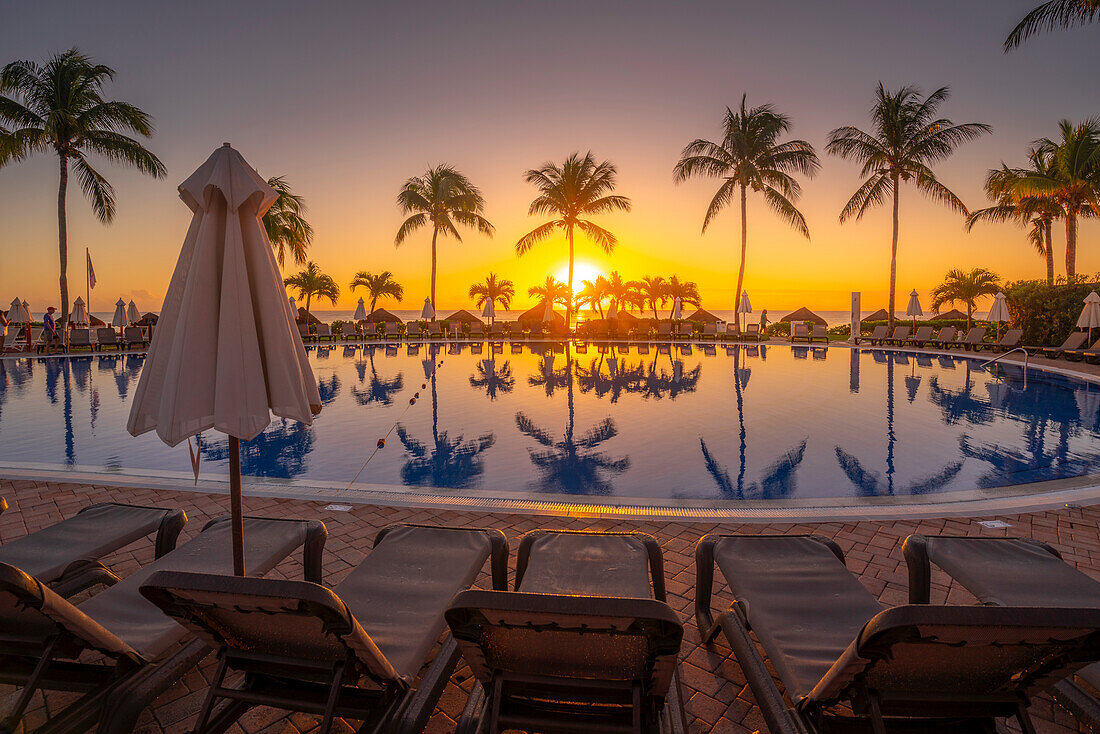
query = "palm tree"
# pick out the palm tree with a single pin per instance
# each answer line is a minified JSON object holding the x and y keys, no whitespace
{"x":687,"y":291}
{"x":378,"y":286}
{"x":576,"y":189}
{"x":444,"y":198}
{"x":967,"y":288}
{"x":1050,"y":15}
{"x":750,"y":156}
{"x":59,"y":107}
{"x":498,"y":290}
{"x":592,"y":294}
{"x":552,"y":291}
{"x":907,"y":139}
{"x":621,"y":292}
{"x":285,"y":223}
{"x":1072,"y":179}
{"x":312,"y":282}
{"x":1037,"y":211}
{"x":652,"y":292}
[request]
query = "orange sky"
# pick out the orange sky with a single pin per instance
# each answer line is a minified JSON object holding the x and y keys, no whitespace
{"x":352,"y":104}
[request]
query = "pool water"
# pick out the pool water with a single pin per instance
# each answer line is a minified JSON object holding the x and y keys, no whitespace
{"x":657,"y":421}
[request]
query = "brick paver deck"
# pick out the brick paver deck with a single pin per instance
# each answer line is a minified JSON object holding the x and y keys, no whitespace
{"x":716,"y":697}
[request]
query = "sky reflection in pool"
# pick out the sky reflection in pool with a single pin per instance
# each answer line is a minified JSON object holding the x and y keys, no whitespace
{"x":657,"y":422}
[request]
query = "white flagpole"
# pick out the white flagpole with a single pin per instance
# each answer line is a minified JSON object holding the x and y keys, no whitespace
{"x":88,"y":281}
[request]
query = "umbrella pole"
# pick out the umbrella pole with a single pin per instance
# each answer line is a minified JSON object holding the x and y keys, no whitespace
{"x":236,"y":509}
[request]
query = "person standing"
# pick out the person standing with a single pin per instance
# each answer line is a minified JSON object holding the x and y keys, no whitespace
{"x":764,"y":322}
{"x":51,"y":335}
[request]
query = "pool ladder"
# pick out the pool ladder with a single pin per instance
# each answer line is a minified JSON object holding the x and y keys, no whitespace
{"x":985,"y":364}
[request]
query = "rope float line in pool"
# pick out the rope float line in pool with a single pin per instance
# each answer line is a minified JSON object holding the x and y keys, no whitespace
{"x":381,"y":443}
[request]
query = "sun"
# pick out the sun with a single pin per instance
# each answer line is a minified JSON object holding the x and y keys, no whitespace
{"x":581,"y":271}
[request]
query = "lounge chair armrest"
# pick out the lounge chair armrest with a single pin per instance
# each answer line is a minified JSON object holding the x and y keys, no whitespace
{"x":169,"y":532}
{"x":915,"y":550}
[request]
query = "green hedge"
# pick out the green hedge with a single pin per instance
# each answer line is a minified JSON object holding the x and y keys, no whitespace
{"x":1047,"y":313}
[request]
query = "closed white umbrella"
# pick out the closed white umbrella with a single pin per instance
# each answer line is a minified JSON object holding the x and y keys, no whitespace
{"x":429,"y":310}
{"x":360,"y":311}
{"x":226,"y":354}
{"x":677,"y":309}
{"x":548,"y":314}
{"x":79,"y":315}
{"x":744,"y":306}
{"x":17,"y":312}
{"x":914,"y":308}
{"x":612,"y":310}
{"x":489,"y":312}
{"x":132,"y":314}
{"x":1090,"y":314}
{"x":119,"y":319}
{"x":999,"y":313}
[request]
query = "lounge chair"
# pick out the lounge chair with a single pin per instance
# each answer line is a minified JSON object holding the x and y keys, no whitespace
{"x":1018,"y":572}
{"x":106,"y":336}
{"x":973,"y":338}
{"x":354,"y":650}
{"x":584,"y":643}
{"x":664,"y":330}
{"x":303,"y":331}
{"x":133,"y":337}
{"x":710,"y":331}
{"x":900,"y":336}
{"x":752,"y":332}
{"x":81,"y":339}
{"x":496,"y":331}
{"x":65,"y":556}
{"x":731,"y":332}
{"x":1074,"y":341}
{"x":324,"y":331}
{"x":393,"y":330}
{"x":1077,"y":355}
{"x":535,"y":330}
{"x":878,"y":335}
{"x":349,"y":331}
{"x":921,"y":337}
{"x":454,"y":330}
{"x":435,"y":330}
{"x":898,"y":669}
{"x":944,"y":338}
{"x":1011,"y":340}
{"x":143,"y":652}
{"x":685,"y":330}
{"x":819,"y":332}
{"x":799,"y":331}
{"x":10,"y":338}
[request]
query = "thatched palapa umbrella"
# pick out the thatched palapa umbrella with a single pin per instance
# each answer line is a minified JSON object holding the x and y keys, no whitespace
{"x":803,"y":314}
{"x":703,"y":315}
{"x":226,"y":353}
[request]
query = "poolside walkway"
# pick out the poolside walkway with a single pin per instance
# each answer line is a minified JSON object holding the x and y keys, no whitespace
{"x":716,"y":697}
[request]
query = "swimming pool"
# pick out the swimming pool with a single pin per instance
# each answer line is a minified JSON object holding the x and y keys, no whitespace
{"x":645,"y":423}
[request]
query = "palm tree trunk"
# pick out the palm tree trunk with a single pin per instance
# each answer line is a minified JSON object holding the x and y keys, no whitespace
{"x":309,"y":295}
{"x":1071,"y":244}
{"x":1048,"y":245}
{"x":63,"y":239}
{"x":569,"y":305}
{"x":744,"y":245}
{"x":893,"y":258}
{"x":373,"y":303}
{"x":969,"y":311}
{"x":435,"y":234}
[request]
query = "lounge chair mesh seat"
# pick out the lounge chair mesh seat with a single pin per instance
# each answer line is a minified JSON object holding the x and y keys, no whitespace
{"x":128,"y":629}
{"x":67,"y":553}
{"x":380,"y":623}
{"x":831,"y":642}
{"x":585,"y":639}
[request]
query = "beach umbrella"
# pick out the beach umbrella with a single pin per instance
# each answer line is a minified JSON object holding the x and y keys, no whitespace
{"x":489,"y":311}
{"x":1090,"y":314}
{"x":612,"y":310}
{"x":677,"y":309}
{"x":744,"y":306}
{"x":429,"y":311}
{"x":360,"y":311}
{"x":79,"y":314}
{"x":132,"y":313}
{"x":226,"y":353}
{"x":914,"y":308}
{"x":999,"y":313}
{"x":548,"y":314}
{"x":119,"y":319}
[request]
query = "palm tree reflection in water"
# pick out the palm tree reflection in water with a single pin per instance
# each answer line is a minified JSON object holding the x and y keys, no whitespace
{"x":491,"y":379}
{"x":379,"y":389}
{"x":571,"y":465}
{"x":280,"y":451}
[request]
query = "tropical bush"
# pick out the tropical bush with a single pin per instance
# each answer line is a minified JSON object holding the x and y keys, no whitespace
{"x":1047,"y":313}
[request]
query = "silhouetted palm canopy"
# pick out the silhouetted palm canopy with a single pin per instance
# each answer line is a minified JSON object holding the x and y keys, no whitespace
{"x":959,"y":286}
{"x":285,"y":223}
{"x":1011,"y":205}
{"x":686,"y":290}
{"x":1072,"y":179}
{"x":444,"y":199}
{"x":652,"y":292}
{"x":493,"y":288}
{"x":906,"y":139}
{"x":552,"y":291}
{"x":378,"y":286}
{"x":59,"y":107}
{"x":1052,"y":15}
{"x":570,"y":193}
{"x":750,"y":156}
{"x":312,"y":282}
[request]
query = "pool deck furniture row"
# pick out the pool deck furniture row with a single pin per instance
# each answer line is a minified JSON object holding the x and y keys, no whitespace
{"x":585,"y":641}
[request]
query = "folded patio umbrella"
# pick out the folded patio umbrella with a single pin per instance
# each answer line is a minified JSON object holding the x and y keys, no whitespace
{"x":226,"y":353}
{"x":677,"y":309}
{"x":612,"y":310}
{"x":120,"y":319}
{"x":429,"y":310}
{"x":914,"y":308}
{"x":489,"y":311}
{"x":999,"y":313}
{"x":1090,"y":314}
{"x":360,"y":311}
{"x":548,"y":314}
{"x":79,"y":314}
{"x":132,"y":312}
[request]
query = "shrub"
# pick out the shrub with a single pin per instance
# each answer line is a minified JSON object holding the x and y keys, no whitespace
{"x":1047,"y":313}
